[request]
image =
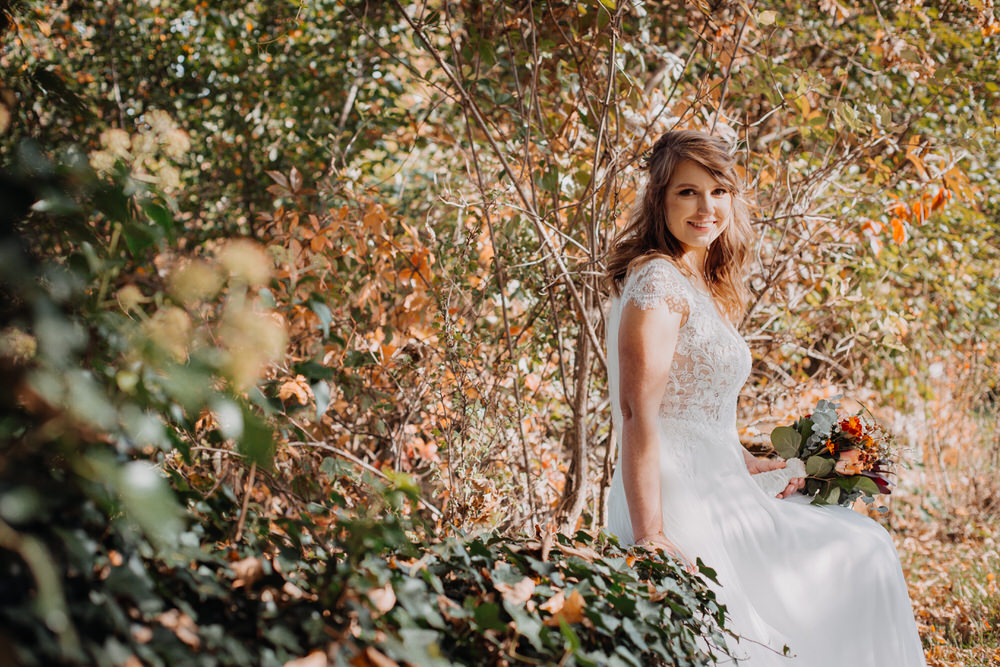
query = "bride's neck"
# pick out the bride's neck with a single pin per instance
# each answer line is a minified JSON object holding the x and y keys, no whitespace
{"x":694,"y":262}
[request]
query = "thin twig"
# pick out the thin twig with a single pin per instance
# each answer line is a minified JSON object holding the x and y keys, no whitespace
{"x":246,"y":501}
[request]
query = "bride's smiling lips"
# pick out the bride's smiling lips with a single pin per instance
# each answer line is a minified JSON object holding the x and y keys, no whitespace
{"x":706,"y":224}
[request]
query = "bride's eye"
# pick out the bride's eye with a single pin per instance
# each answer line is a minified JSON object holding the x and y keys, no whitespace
{"x":720,"y":192}
{"x":686,"y":192}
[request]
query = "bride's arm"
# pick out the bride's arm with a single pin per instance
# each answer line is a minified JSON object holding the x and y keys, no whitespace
{"x":646,"y":343}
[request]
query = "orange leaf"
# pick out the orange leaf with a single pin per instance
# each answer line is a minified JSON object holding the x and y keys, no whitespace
{"x":898,"y":231}
{"x":913,"y":155}
{"x":374,"y":220}
{"x":940,"y":198}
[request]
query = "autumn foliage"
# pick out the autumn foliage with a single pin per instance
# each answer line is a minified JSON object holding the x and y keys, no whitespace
{"x":321,"y":283}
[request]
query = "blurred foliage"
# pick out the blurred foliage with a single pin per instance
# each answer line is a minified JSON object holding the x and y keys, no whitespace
{"x":260,"y":258}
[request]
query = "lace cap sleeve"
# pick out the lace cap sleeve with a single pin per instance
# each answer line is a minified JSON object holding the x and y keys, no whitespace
{"x":656,"y":283}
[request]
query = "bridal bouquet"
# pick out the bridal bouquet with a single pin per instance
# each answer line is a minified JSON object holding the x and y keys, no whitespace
{"x":844,"y":457}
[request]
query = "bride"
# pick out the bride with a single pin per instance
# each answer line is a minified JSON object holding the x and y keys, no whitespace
{"x":824,"y":581}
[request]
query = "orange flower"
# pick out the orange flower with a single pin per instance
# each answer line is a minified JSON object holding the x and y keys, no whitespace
{"x":852,"y":427}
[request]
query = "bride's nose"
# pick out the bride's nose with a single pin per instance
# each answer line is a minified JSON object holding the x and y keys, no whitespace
{"x":703,"y":202}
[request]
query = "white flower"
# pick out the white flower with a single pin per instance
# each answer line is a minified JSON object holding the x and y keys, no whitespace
{"x":246,"y":261}
{"x":116,"y":142}
{"x":176,"y":143}
{"x":160,"y":121}
{"x":102,"y":160}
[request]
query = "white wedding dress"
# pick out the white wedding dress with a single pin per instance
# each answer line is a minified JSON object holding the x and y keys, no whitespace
{"x":825,"y":581}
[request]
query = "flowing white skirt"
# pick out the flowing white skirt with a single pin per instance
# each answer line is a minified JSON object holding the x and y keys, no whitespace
{"x":825,"y":581}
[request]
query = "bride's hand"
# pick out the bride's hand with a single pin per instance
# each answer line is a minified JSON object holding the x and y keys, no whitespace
{"x":794,"y":485}
{"x":757,"y":465}
{"x":659,"y":542}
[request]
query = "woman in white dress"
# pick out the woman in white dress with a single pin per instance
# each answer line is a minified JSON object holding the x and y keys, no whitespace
{"x":825,"y":581}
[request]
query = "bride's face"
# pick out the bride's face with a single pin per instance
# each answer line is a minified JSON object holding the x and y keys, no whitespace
{"x":698,"y":206}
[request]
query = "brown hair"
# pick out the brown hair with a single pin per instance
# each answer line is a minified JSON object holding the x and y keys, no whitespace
{"x":646,"y":234}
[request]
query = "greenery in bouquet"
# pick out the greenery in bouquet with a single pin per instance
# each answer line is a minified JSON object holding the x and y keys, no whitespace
{"x":845,"y":458}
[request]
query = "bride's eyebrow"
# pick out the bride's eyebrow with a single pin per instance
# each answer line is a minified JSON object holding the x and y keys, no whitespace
{"x":692,"y":185}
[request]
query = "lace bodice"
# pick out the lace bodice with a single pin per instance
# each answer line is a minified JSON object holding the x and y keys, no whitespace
{"x":711,"y":362}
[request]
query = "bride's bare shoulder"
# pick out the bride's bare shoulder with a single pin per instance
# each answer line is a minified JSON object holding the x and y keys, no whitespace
{"x":656,"y":269}
{"x":652,"y":260}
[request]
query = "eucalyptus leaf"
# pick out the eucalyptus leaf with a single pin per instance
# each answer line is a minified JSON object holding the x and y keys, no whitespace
{"x":786,"y":441}
{"x":819,"y":466}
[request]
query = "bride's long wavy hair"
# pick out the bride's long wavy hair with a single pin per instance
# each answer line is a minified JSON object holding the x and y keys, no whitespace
{"x":646,"y":235}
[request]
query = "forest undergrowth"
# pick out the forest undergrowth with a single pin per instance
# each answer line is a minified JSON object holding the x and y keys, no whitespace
{"x":945,"y":518}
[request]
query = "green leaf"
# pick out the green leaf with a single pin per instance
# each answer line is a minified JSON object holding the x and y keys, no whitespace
{"x":137,"y":237}
{"x":324,"y":314}
{"x":321,"y":390}
{"x":488,"y":617}
{"x":866,"y":485}
{"x":257,"y":441}
{"x":569,"y":634}
{"x":818,"y":466}
{"x":161,"y":217}
{"x":149,"y":501}
{"x":786,"y":441}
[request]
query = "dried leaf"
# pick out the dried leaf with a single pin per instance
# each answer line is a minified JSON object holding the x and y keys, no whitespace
{"x":298,"y":388}
{"x":581,"y":551}
{"x":182,"y":625}
{"x":248,"y":571}
{"x":518,"y":593}
{"x":374,"y":220}
{"x":372,"y":657}
{"x":314,"y":659}
{"x":569,"y":609}
{"x":383,"y":599}
{"x":554,"y":604}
